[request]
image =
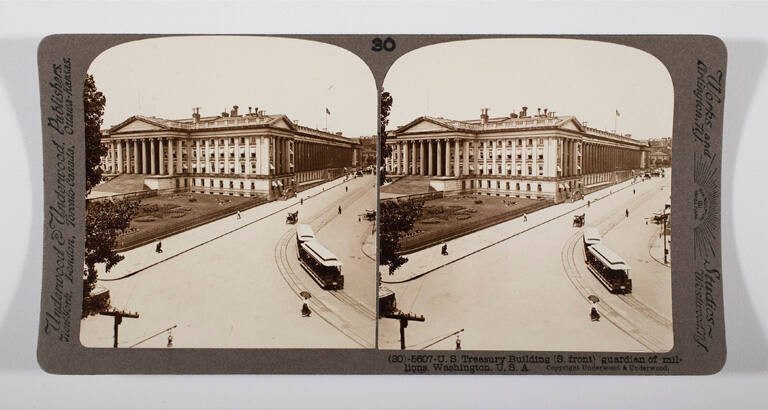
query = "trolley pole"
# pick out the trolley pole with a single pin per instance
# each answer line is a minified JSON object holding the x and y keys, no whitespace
{"x":119,"y":315}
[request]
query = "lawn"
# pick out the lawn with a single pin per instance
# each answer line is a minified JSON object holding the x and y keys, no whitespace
{"x":165,"y":214}
{"x":455,"y":216}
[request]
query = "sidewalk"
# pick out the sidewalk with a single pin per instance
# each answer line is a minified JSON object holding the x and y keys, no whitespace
{"x":143,"y":257}
{"x":430,"y":259}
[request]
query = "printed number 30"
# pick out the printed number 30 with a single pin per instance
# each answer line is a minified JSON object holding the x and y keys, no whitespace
{"x":388,"y":44}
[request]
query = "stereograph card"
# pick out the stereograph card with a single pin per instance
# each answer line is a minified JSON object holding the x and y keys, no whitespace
{"x":382,"y":204}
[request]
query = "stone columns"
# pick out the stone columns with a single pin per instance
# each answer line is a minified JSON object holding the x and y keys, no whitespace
{"x":198,"y":156}
{"x":189,"y":156}
{"x":215,"y":167}
{"x":179,"y":157}
{"x":128,"y":156}
{"x":226,"y":155}
{"x":112,"y":157}
{"x":136,"y":169}
{"x":161,"y":160}
{"x":456,"y":162}
{"x":476,"y":155}
{"x":152,"y":157}
{"x":422,"y":159}
{"x":485,"y":158}
{"x":430,"y":171}
{"x":237,"y":156}
{"x":439,"y":158}
{"x":414,"y":166}
{"x":273,"y":155}
{"x":207,"y":156}
{"x":493,"y":158}
{"x":406,"y":164}
{"x":466,"y":157}
{"x":170,"y":156}
{"x":119,"y":157}
{"x":144,"y":167}
{"x":523,"y":157}
{"x":264,"y":155}
{"x":447,"y":167}
{"x":248,"y":155}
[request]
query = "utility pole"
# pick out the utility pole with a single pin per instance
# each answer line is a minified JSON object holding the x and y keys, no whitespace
{"x":119,"y":315}
{"x":664,"y":231}
{"x":404,"y":318}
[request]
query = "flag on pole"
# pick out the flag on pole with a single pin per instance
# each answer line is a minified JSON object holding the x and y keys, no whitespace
{"x":618,"y":114}
{"x":327,"y":111}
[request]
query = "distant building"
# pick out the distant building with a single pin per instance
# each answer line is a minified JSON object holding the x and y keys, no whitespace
{"x":660,"y":152}
{"x":368,"y":150}
{"x":539,"y":156}
{"x":253,"y":154}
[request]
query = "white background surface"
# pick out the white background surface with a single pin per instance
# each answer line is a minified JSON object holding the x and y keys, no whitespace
{"x":741,"y":384}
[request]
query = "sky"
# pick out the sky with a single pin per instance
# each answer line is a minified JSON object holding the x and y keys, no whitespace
{"x":588,"y":79}
{"x":167,"y":77}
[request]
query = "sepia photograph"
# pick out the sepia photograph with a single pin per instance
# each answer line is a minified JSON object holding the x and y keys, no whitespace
{"x":231,"y":195}
{"x":525,"y":200}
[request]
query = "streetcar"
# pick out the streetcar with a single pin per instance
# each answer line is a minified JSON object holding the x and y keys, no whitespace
{"x":609,"y":269}
{"x":304,"y":233}
{"x":591,"y":237}
{"x":321,"y":264}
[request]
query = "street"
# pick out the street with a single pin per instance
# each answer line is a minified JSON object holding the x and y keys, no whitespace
{"x":527,"y":292}
{"x":223,"y":286}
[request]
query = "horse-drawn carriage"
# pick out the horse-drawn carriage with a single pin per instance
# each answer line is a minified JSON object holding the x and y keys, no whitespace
{"x":292,"y":217}
{"x":578,"y":220}
{"x":370,"y":214}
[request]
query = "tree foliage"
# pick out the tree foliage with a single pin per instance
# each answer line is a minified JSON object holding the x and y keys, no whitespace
{"x":396,"y":220}
{"x":93,"y":106}
{"x":385,"y":151}
{"x":104,"y":222}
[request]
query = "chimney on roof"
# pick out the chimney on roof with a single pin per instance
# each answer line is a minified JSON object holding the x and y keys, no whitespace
{"x":524,"y":112}
{"x":539,"y":114}
{"x":484,"y":115}
{"x":545,"y":112}
{"x":250,"y":110}
{"x":224,"y":113}
{"x":196,"y":114}
{"x":234,"y":110}
{"x":339,"y":133}
{"x":512,"y":115}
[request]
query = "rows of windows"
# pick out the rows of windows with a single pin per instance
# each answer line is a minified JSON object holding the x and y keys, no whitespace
{"x":491,"y":184}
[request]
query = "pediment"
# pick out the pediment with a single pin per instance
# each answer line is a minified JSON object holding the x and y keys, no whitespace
{"x":424,"y":125}
{"x":572,"y":124}
{"x":137,"y":125}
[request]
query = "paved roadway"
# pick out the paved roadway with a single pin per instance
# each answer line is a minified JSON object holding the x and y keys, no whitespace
{"x":230,"y":292}
{"x":515,"y":296}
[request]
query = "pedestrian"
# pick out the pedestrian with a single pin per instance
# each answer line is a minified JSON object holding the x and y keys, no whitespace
{"x":525,"y":217}
{"x":346,"y":189}
{"x":593,"y":314}
{"x":444,"y":251}
{"x":626,"y":212}
{"x":159,"y":247}
{"x":458,"y":343}
{"x":359,"y":219}
{"x":305,"y":312}
{"x":633,"y":191}
{"x":301,"y":201}
{"x":589,"y":203}
{"x":339,"y":209}
{"x":239,"y":216}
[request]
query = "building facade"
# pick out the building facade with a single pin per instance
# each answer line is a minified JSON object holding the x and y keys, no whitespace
{"x":252,"y":155}
{"x":539,"y":156}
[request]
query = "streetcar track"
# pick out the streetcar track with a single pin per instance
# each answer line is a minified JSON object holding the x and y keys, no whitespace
{"x":576,"y":277}
{"x":340,"y":323}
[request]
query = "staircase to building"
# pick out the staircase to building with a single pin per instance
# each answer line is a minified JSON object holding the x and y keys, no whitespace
{"x":121,"y":184}
{"x":409,"y":185}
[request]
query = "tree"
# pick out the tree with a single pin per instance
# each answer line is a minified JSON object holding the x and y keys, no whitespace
{"x":104,"y":222}
{"x":93,"y":107}
{"x":385,"y":106}
{"x":396,"y":220}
